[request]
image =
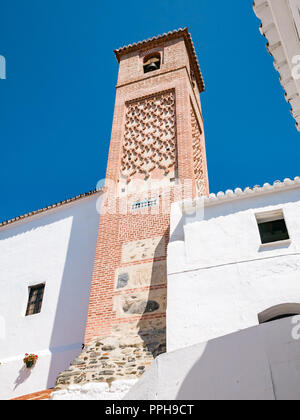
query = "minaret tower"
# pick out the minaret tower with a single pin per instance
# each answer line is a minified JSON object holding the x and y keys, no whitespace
{"x":157,"y":135}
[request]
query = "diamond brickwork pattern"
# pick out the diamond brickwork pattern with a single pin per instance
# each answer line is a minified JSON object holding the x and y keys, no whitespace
{"x":150,"y":136}
{"x":198,"y":153}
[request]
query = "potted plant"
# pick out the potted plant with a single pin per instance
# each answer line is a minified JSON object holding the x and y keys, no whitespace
{"x":30,"y":360}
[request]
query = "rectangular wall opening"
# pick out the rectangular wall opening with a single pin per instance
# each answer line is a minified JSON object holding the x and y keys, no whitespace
{"x":272,"y":227}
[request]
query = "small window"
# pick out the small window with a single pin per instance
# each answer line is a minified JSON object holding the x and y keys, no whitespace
{"x":145,"y":203}
{"x":272,"y":227}
{"x":151,"y":63}
{"x":35,"y":299}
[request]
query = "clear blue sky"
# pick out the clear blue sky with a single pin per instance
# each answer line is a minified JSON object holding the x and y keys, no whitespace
{"x":56,"y":105}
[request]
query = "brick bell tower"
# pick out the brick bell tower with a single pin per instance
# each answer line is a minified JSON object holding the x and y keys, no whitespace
{"x":157,"y":135}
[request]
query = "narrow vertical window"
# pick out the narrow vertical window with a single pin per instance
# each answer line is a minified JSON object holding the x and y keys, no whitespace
{"x":35,"y":299}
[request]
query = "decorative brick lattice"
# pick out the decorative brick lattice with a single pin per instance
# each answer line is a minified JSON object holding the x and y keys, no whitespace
{"x":199,"y":170}
{"x":150,"y":136}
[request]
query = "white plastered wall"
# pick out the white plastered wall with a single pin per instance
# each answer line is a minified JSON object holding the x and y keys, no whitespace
{"x":56,"y":248}
{"x":219,"y":276}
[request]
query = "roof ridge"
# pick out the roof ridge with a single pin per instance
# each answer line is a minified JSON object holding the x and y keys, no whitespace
{"x":154,"y":38}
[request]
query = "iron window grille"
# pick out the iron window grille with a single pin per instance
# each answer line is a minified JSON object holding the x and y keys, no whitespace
{"x":145,"y":203}
{"x":35,"y":299}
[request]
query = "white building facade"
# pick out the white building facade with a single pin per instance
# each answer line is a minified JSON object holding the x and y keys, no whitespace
{"x":233,"y":263}
{"x":280,"y":24}
{"x":258,"y":363}
{"x":222,"y":278}
{"x":54,"y":248}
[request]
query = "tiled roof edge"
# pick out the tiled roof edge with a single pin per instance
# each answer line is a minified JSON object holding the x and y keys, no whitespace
{"x":51,"y":207}
{"x":248,"y":192}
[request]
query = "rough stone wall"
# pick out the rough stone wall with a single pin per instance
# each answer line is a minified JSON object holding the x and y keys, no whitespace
{"x":125,"y":354}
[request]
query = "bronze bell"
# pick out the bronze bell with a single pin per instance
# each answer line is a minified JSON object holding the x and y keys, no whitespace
{"x":151,"y":67}
{"x":152,"y":64}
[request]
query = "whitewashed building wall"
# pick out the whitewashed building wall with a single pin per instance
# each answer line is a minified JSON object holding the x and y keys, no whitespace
{"x":56,"y":248}
{"x":220,"y":276}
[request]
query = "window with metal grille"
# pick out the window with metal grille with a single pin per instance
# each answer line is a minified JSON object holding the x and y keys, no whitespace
{"x":145,"y":203}
{"x":35,"y":299}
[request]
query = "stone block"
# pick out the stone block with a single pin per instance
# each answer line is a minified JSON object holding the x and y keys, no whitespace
{"x":141,"y":275}
{"x":143,"y":249}
{"x":140,"y":303}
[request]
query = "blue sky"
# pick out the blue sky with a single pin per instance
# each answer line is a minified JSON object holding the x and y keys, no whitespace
{"x":56,"y":106}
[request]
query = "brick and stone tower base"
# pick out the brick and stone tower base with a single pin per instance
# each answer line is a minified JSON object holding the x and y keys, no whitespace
{"x":157,"y":156}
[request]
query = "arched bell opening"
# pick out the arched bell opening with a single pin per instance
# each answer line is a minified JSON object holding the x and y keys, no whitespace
{"x":152,"y":62}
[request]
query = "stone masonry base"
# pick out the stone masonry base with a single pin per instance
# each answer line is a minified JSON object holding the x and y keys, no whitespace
{"x":125,"y":354}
